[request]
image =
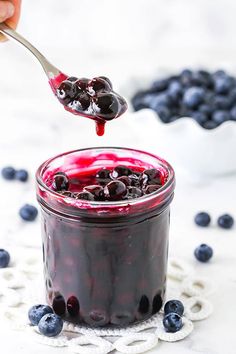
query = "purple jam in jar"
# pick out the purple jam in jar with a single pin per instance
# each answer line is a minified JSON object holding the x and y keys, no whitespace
{"x":104,"y":261}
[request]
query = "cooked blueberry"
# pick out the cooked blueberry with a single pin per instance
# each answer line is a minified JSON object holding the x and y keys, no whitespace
{"x":135,"y":179}
{"x":203,"y":253}
{"x":210,"y":124}
{"x":223,"y":84}
{"x":199,"y":117}
{"x":73,"y":306}
{"x":98,"y":85}
{"x":82,"y":83}
{"x":96,"y":191}
{"x":134,"y":192}
{"x":172,"y":322}
{"x":174,"y":306}
{"x":28,"y":212}
{"x":8,"y":173}
{"x":85,"y":196}
{"x":22,"y":175}
{"x":103,"y":176}
{"x":60,"y":182}
{"x":193,"y":97}
{"x":4,"y":258}
{"x":202,"y":219}
{"x":36,"y":312}
{"x":220,"y":116}
{"x":81,"y":102}
{"x":107,"y":80}
{"x":66,"y":91}
{"x":67,"y":194}
{"x":225,"y":221}
{"x":125,"y":179}
{"x":120,"y":170}
{"x":50,"y":325}
{"x":233,"y":113}
{"x":151,"y":188}
{"x":115,"y":190}
{"x":72,"y":78}
{"x":151,"y":176}
{"x":106,"y":106}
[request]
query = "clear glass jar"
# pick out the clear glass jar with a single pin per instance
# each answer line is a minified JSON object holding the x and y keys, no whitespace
{"x":105,"y":262}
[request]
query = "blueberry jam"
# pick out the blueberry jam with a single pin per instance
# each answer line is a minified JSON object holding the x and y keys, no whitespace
{"x":105,"y":253}
{"x":93,"y":99}
{"x":208,"y":98}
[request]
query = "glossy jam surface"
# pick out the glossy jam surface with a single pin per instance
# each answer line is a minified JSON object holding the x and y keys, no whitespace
{"x":105,"y":263}
{"x":94,"y":99}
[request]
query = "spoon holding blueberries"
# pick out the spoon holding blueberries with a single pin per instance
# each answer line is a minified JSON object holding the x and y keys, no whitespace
{"x":90,"y":98}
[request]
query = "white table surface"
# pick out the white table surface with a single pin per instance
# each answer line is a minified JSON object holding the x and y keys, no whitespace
{"x":34,"y":127}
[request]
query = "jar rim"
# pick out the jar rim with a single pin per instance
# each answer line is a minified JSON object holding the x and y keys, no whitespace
{"x":169,"y":184}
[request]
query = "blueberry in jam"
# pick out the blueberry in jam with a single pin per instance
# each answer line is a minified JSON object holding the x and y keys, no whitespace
{"x":119,"y":171}
{"x":60,"y":182}
{"x":97,"y":191}
{"x":85,"y":196}
{"x":106,"y":106}
{"x":134,"y":192}
{"x":151,"y":188}
{"x":115,"y":190}
{"x":98,"y":84}
{"x":151,"y":176}
{"x":103,"y":176}
{"x":66,"y":91}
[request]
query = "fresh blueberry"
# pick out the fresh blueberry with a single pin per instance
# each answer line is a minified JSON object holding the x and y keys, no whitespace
{"x":60,"y":182}
{"x":115,"y":190}
{"x":8,"y":173}
{"x":121,"y":170}
{"x":50,"y":325}
{"x":85,"y":196}
{"x":4,"y":258}
{"x":175,"y":90}
{"x":232,"y":95}
{"x":223,"y":84}
{"x":28,"y":212}
{"x":203,"y":253}
{"x":22,"y":175}
{"x":210,"y":124}
{"x":186,"y":77}
{"x":233,"y":113}
{"x":174,"y":306}
{"x":161,"y":99}
{"x":134,"y":192}
{"x":36,"y":312}
{"x":202,"y":219}
{"x":163,"y":113}
{"x":219,"y":73}
{"x":206,"y":109}
{"x":220,"y":117}
{"x":199,"y":117}
{"x":193,"y":97}
{"x":138,"y":101}
{"x":225,"y":221}
{"x":221,"y":102}
{"x":160,"y":85}
{"x":103,"y":176}
{"x":172,"y":322}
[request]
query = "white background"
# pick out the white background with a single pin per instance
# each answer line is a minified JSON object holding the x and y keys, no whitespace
{"x":124,"y":40}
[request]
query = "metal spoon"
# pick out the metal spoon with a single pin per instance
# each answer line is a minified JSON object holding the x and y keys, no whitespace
{"x":50,"y":70}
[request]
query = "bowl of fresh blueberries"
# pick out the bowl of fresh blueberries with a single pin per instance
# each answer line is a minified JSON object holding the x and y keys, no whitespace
{"x":190,"y":118}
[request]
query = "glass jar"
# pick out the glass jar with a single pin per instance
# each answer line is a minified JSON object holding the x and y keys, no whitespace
{"x":105,"y":262}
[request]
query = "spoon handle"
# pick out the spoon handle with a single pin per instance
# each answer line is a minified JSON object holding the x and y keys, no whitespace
{"x":50,"y":70}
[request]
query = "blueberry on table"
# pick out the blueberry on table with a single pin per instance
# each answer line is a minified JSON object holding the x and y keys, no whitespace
{"x":60,"y":182}
{"x":174,"y":306}
{"x":220,"y":116}
{"x":115,"y":190}
{"x":225,"y":221}
{"x":22,"y":175}
{"x":50,"y":325}
{"x":193,"y":97}
{"x":203,"y":253}
{"x":28,"y":212}
{"x":223,"y":84}
{"x":160,"y":85}
{"x":8,"y":173}
{"x":164,"y":113}
{"x":4,"y":258}
{"x":210,"y":124}
{"x":202,"y":219}
{"x":233,"y":113}
{"x":172,"y":322}
{"x":199,"y":117}
{"x":36,"y":312}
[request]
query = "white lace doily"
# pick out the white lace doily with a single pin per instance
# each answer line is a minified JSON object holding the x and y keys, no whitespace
{"x":18,"y":292}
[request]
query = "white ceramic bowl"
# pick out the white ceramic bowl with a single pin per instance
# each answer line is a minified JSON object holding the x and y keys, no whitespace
{"x":187,"y":145}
